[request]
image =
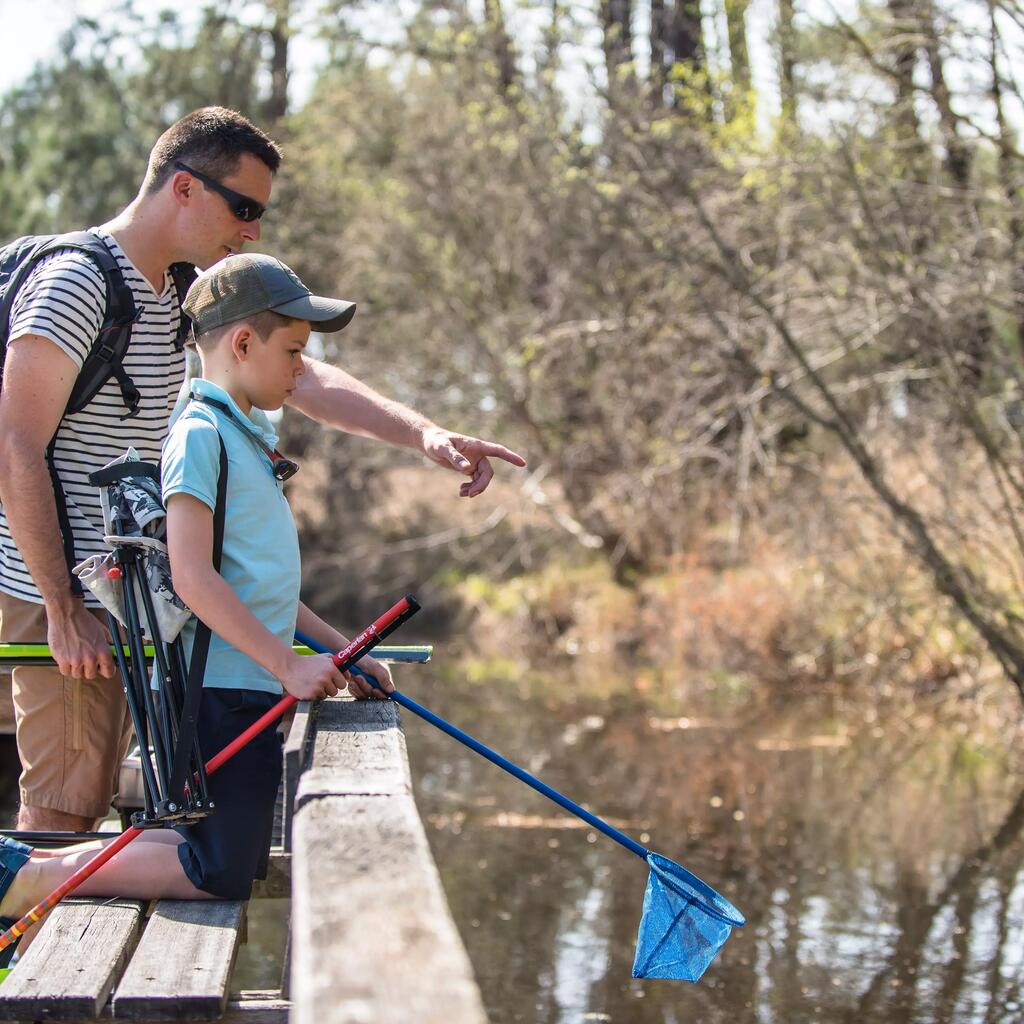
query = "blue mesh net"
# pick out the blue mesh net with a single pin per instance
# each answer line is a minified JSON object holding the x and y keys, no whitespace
{"x":684,"y":923}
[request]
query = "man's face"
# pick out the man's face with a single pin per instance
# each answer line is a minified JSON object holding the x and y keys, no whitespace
{"x":215,"y":231}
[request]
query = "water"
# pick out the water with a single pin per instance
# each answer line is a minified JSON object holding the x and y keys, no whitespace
{"x":879,"y":858}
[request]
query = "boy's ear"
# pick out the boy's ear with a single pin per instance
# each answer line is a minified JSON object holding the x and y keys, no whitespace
{"x":241,"y":342}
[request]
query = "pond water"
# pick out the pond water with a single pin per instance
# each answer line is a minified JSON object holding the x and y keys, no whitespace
{"x":878,"y":857}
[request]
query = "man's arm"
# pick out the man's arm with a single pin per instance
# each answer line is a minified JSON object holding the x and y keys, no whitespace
{"x":37,"y":382}
{"x":336,"y":399}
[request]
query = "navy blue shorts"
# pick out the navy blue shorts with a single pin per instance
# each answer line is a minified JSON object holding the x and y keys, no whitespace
{"x":223,"y":853}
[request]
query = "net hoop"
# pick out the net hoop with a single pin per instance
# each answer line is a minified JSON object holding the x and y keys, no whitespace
{"x":686,"y":885}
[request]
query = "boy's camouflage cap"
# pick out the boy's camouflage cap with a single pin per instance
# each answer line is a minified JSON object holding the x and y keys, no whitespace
{"x":245,"y":284}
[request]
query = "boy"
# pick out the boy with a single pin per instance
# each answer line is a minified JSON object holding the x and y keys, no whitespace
{"x":252,"y":317}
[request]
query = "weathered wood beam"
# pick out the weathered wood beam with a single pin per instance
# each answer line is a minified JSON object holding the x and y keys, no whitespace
{"x":182,"y":967}
{"x":70,"y":969}
{"x":365,"y":890}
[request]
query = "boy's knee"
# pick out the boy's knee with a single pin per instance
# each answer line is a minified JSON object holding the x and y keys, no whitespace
{"x":227,"y":886}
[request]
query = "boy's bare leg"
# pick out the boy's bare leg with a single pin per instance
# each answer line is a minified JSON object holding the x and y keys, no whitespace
{"x":153,"y":835}
{"x":142,"y":870}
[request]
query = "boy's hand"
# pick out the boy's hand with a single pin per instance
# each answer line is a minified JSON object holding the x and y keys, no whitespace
{"x":361,"y":688}
{"x":312,"y":677}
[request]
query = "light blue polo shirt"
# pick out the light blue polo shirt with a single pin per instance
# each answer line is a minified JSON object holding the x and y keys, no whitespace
{"x":261,"y":545}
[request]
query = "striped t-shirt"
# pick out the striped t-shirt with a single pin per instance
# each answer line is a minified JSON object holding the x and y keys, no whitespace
{"x":64,"y":300}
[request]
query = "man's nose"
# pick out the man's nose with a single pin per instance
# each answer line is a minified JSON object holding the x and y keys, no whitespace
{"x":251,"y":231}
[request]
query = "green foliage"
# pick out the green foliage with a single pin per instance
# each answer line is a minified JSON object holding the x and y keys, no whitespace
{"x":665,"y":305}
{"x":77,"y":133}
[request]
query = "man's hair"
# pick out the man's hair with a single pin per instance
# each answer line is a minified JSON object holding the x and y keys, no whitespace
{"x":264,"y":324}
{"x":211,"y":140}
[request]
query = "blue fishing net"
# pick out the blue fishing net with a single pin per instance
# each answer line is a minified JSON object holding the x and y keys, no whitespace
{"x":684,"y":923}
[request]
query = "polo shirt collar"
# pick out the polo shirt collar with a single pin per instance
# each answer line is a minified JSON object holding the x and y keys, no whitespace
{"x":255,"y":423}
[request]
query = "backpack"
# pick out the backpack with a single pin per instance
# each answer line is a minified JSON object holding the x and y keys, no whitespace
{"x":107,"y":352}
{"x":19,"y":259}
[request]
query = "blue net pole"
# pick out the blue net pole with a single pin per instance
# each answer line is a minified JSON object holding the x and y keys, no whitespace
{"x":502,"y":762}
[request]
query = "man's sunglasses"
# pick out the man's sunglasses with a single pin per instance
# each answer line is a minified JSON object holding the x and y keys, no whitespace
{"x":240,"y":205}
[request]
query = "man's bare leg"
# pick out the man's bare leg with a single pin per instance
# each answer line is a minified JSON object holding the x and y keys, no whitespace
{"x":45,"y":819}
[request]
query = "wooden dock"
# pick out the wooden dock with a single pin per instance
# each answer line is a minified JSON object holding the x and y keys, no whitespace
{"x":372,"y":940}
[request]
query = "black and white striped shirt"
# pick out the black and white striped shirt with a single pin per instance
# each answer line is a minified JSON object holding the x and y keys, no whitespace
{"x":64,"y":300}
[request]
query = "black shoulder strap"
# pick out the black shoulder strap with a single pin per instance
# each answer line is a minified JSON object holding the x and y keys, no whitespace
{"x":106,"y":356}
{"x":200,"y":644}
{"x":67,"y":537}
{"x":103,"y":359}
{"x":183,"y":274}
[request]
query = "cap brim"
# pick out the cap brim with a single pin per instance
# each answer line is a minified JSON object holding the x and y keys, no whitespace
{"x":326,"y":315}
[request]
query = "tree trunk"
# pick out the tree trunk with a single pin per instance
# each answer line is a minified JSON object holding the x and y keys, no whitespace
{"x":500,"y":43}
{"x":276,"y":106}
{"x":739,"y":58}
{"x":787,"y":64}
{"x":905,"y":119}
{"x":1009,"y":178}
{"x":617,"y":41}
{"x":686,"y":37}
{"x":659,"y":48}
{"x":958,"y":160}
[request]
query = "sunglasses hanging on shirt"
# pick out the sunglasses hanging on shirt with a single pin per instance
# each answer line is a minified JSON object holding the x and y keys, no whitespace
{"x":284,"y":469}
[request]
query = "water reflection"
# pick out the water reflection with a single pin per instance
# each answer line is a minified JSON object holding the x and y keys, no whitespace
{"x":878,"y":859}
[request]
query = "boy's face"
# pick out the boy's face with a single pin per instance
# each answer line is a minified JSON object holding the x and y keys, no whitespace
{"x":274,"y":364}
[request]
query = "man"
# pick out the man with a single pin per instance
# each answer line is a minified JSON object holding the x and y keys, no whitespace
{"x":208,"y":181}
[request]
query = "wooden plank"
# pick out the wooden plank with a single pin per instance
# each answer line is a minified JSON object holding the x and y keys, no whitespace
{"x":359,"y":750}
{"x":182,"y":967}
{"x":69,"y":970}
{"x":249,"y":1009}
{"x":364,"y":883}
{"x":363,"y":878}
{"x":296,"y":752}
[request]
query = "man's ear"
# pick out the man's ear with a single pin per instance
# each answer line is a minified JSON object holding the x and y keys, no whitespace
{"x":182,"y":187}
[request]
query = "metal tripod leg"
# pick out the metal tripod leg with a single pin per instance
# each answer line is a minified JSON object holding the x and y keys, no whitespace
{"x":136,"y":647}
{"x":197,"y":770}
{"x":150,"y":790}
{"x":166,"y":716}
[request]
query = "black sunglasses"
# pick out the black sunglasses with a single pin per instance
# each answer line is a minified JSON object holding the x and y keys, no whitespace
{"x":242,"y":206}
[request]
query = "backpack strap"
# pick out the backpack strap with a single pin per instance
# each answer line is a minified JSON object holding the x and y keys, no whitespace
{"x":183,"y":274}
{"x":102,"y":362}
{"x":67,"y":536}
{"x":200,"y":645}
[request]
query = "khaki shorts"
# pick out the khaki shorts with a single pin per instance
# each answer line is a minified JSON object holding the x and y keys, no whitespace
{"x":72,"y":733}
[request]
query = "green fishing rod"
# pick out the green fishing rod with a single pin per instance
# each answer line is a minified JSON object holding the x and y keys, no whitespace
{"x":38,"y":654}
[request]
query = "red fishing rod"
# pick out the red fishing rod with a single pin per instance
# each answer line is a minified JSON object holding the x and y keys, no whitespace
{"x":344,"y":659}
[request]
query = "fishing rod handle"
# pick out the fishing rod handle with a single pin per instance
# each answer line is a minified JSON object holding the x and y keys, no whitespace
{"x":376,"y":631}
{"x":345,"y":659}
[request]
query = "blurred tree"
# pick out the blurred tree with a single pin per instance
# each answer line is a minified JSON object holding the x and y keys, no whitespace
{"x":78,"y":132}
{"x":680,"y":319}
